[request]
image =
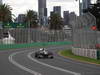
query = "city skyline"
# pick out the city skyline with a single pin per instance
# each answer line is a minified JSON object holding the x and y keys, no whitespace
{"x":25,"y":5}
{"x":20,"y":7}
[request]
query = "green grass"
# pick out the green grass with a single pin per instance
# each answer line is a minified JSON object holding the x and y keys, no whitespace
{"x":68,"y":53}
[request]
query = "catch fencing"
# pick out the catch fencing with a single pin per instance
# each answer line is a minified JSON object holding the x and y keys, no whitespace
{"x":34,"y":37}
{"x":85,"y":39}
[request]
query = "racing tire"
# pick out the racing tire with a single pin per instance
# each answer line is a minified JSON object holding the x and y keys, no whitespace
{"x":51,"y":57}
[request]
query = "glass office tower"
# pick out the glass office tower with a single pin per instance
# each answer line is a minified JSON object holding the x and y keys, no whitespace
{"x":42,"y":10}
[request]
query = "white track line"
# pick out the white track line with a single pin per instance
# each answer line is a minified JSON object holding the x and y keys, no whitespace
{"x":57,"y":68}
{"x":21,"y":66}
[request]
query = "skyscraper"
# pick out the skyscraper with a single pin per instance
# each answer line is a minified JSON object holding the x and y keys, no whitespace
{"x":20,"y":18}
{"x":72,"y":18}
{"x":57,"y":9}
{"x":0,"y":1}
{"x":42,"y":12}
{"x":66,"y":17}
{"x":84,"y":5}
{"x":81,"y":9}
{"x":1,"y":24}
{"x":98,"y":1}
{"x":51,"y":13}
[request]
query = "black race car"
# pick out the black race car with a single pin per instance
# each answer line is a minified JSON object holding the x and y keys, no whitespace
{"x":42,"y":53}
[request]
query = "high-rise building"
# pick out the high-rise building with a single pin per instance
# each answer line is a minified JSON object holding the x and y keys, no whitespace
{"x":51,"y":13}
{"x":72,"y":18}
{"x":72,"y":15}
{"x":84,"y":5}
{"x":57,"y":9}
{"x":42,"y":12}
{"x":80,"y":9}
{"x":1,"y":22}
{"x":20,"y":18}
{"x":66,"y":17}
{"x":0,"y":1}
{"x":98,"y":1}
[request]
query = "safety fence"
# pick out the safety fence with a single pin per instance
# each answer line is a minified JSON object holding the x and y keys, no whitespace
{"x":22,"y":37}
{"x":86,"y":39}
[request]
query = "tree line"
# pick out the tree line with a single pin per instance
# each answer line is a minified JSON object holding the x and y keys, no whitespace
{"x":55,"y":21}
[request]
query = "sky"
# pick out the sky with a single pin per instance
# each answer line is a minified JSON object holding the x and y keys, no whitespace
{"x":21,"y":6}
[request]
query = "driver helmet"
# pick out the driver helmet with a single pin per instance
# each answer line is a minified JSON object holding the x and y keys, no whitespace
{"x":41,"y":49}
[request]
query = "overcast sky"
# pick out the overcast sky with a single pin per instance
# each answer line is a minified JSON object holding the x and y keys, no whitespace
{"x":21,"y":6}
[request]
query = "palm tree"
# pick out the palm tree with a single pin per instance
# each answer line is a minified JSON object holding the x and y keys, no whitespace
{"x":5,"y":13}
{"x":56,"y":22}
{"x":31,"y":18}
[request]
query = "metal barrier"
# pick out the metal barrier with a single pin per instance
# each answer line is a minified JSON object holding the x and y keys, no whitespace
{"x":85,"y":40}
{"x":24,"y":37}
{"x":83,"y":35}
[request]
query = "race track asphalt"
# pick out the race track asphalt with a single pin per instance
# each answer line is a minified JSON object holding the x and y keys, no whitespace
{"x":22,"y":62}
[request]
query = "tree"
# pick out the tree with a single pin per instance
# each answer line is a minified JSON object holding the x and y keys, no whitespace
{"x":94,"y":9}
{"x":56,"y":22}
{"x":5,"y":13}
{"x":31,"y":18}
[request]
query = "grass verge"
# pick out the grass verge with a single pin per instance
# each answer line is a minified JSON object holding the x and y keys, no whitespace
{"x":69,"y":54}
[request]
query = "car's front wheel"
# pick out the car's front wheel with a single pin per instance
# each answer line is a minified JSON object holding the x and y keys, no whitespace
{"x":35,"y":56}
{"x":40,"y":56}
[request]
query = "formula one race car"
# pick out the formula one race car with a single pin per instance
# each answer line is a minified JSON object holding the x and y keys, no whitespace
{"x":42,"y":53}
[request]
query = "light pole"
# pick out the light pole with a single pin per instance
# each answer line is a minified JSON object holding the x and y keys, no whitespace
{"x":29,"y":39}
{"x":93,"y":17}
{"x":95,"y":31}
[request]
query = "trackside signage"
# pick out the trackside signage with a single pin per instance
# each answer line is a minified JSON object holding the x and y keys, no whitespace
{"x":14,"y":25}
{"x":91,"y":53}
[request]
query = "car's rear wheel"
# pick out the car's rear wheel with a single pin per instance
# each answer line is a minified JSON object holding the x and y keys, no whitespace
{"x":51,"y":57}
